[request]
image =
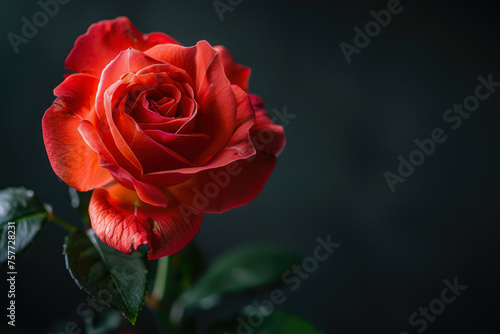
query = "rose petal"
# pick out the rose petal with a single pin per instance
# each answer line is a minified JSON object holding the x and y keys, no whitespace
{"x":190,"y":145}
{"x":122,"y":221}
{"x":71,"y":158}
{"x":113,"y":137}
{"x":212,"y":88}
{"x":236,"y":73}
{"x":224,"y":188}
{"x":237,"y":174}
{"x":128,"y":61}
{"x":239,"y":147}
{"x":268,"y":137}
{"x":146,"y":192}
{"x":152,"y":155}
{"x":104,"y":40}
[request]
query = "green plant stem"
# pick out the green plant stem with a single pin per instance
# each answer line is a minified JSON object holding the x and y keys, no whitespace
{"x":62,"y":223}
{"x":161,"y":279}
{"x":163,"y":297}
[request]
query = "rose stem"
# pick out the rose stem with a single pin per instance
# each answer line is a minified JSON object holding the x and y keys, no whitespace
{"x":161,"y":278}
{"x":61,"y":222}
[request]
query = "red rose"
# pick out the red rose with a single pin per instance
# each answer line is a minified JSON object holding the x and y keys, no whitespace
{"x":162,"y":132}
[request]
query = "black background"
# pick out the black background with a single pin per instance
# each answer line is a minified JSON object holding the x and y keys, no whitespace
{"x":352,"y":122}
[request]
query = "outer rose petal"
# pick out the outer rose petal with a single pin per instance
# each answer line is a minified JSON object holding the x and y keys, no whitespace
{"x":236,"y":73}
{"x":239,"y":182}
{"x":71,"y":158}
{"x":104,"y":40}
{"x":240,"y":145}
{"x":264,"y":126}
{"x":123,"y":222}
{"x":224,"y":188}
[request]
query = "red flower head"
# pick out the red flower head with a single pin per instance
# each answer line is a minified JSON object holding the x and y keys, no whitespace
{"x":162,"y":132}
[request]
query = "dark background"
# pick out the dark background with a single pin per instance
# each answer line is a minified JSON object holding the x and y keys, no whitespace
{"x":352,"y":122}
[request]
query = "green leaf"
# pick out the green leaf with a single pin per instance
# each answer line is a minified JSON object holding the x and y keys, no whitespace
{"x":276,"y":323}
{"x":24,"y":209}
{"x":243,"y":269}
{"x":113,"y":278}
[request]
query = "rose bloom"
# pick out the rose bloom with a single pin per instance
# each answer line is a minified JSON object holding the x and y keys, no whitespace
{"x":163,"y":133}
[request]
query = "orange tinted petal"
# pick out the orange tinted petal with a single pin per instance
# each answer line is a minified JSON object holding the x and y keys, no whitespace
{"x":104,"y":40}
{"x":70,"y":157}
{"x":227,"y":187}
{"x":124,"y":222}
